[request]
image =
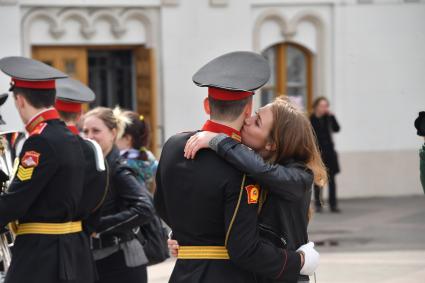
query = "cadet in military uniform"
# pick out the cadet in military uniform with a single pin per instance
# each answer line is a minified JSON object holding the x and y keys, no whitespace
{"x":45,"y":194}
{"x":211,"y":207}
{"x":71,"y":94}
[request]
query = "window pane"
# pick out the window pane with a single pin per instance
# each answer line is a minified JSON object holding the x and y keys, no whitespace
{"x":296,"y":71}
{"x":70,"y":67}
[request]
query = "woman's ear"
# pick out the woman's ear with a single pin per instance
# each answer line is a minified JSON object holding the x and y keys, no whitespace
{"x":207,"y":106}
{"x":114,"y":133}
{"x":270,"y":146}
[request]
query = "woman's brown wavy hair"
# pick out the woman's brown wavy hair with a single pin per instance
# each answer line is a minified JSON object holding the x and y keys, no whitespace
{"x":295,"y":140}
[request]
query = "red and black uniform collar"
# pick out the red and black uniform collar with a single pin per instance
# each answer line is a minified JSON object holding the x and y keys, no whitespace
{"x":220,"y":128}
{"x":46,"y":115}
{"x":73,"y":129}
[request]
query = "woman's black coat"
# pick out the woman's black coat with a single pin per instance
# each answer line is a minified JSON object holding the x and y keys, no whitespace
{"x":286,"y":194}
{"x":324,"y":127}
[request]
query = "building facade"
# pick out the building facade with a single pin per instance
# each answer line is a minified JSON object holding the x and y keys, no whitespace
{"x":366,"y":56}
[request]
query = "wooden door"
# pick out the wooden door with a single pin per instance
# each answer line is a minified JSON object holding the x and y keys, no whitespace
{"x":146,"y":90}
{"x":71,"y":60}
{"x":74,"y":61}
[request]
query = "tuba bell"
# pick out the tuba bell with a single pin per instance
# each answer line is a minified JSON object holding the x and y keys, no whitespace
{"x":9,"y":142}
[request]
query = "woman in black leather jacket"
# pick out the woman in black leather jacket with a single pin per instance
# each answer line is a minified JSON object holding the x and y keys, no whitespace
{"x":118,"y":253}
{"x":286,"y":162}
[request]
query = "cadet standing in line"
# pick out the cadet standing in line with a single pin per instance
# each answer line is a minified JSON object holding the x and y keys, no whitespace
{"x":71,"y":94}
{"x":211,"y":207}
{"x":45,"y":194}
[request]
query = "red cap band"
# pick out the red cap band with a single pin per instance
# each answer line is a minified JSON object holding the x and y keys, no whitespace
{"x":228,"y":95}
{"x":67,"y":106}
{"x":34,"y":84}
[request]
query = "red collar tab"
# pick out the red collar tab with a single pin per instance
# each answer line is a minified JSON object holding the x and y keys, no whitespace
{"x":228,"y":95}
{"x":49,"y":84}
{"x":68,"y":106}
{"x":50,"y":114}
{"x":219,"y":128}
{"x":73,"y":129}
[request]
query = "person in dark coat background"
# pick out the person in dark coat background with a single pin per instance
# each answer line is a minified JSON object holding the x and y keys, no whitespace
{"x":422,"y":165}
{"x":324,"y":124}
{"x":420,"y":127}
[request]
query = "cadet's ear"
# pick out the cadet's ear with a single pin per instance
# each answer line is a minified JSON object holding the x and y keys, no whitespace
{"x":207,"y":106}
{"x":248,"y":108}
{"x":78,"y":119}
{"x":19,"y":101}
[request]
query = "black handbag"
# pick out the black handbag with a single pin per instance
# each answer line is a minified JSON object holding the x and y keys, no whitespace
{"x":153,"y":236}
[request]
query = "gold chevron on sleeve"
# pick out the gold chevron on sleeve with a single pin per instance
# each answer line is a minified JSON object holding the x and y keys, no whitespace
{"x":24,"y":174}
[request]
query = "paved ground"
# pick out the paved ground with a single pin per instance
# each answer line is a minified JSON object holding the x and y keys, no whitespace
{"x":373,"y":240}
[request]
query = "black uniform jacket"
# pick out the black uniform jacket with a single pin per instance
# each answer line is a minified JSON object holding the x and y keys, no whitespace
{"x":199,"y":199}
{"x":48,"y":187}
{"x":127,"y":204}
{"x":286,"y":195}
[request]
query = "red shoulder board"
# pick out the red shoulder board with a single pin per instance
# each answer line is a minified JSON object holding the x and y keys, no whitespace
{"x":253,"y":194}
{"x":38,"y":129}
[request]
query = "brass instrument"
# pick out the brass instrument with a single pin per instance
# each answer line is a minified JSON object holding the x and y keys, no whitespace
{"x":7,"y":155}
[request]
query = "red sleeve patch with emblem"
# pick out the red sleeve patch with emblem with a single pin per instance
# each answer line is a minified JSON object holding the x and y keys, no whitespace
{"x":253,"y":193}
{"x":30,"y":159}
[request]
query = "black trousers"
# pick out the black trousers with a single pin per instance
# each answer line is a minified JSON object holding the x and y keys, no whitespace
{"x":333,"y":202}
{"x":112,"y":269}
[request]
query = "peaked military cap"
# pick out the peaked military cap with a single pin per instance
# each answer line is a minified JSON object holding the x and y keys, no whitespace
{"x":233,"y":76}
{"x":71,"y":94}
{"x":30,"y":73}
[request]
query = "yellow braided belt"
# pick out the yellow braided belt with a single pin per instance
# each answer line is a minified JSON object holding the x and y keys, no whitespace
{"x":49,"y":228}
{"x":203,"y":252}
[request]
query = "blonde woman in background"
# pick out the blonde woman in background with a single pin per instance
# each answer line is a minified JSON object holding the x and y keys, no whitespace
{"x":118,"y":253}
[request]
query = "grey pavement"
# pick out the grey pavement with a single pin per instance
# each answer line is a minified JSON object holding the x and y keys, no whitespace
{"x":373,"y":240}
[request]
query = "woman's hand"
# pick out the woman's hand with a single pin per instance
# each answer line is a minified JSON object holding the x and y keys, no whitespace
{"x":196,"y":142}
{"x":173,"y":246}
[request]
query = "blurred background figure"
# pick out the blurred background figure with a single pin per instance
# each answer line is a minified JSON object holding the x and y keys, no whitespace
{"x":422,"y":165}
{"x":420,"y":127}
{"x":324,"y":124}
{"x":133,"y":147}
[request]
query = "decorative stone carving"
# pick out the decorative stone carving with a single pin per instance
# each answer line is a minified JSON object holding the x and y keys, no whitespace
{"x":8,"y":2}
{"x":288,"y":29}
{"x":170,"y":2}
{"x":57,"y":21}
{"x":219,"y":2}
{"x":58,"y":18}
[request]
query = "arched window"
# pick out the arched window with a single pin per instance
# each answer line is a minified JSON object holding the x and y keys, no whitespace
{"x":292,"y":75}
